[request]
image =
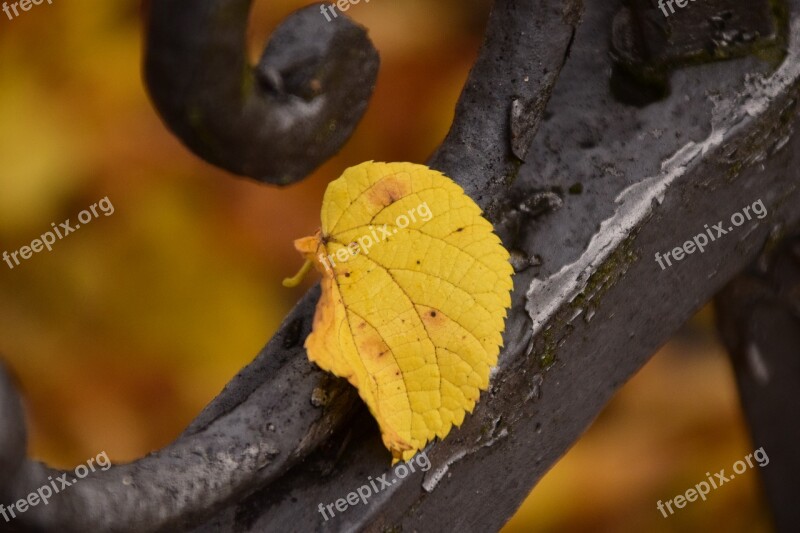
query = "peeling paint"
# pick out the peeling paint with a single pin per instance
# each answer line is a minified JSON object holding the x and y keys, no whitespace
{"x":545,"y":297}
{"x":433,"y":477}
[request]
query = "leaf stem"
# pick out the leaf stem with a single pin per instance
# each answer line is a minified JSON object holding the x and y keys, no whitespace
{"x":297,"y":278}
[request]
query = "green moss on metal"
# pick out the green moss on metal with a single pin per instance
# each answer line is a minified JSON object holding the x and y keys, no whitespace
{"x":576,"y":188}
{"x":547,"y":356}
{"x":514,"y":166}
{"x":775,"y":54}
{"x":598,"y":284}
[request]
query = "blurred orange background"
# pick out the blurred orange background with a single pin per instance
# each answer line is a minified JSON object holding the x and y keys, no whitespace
{"x":131,"y":325}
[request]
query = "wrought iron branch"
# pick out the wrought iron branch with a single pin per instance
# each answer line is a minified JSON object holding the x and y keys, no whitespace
{"x":265,"y":421}
{"x":275,"y":122}
{"x":275,"y":438}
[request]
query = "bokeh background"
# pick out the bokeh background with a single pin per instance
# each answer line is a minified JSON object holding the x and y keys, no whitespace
{"x":131,"y":325}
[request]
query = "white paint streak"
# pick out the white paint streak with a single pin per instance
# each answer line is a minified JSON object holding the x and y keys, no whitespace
{"x":757,"y":365}
{"x":546,"y":296}
{"x":433,"y":477}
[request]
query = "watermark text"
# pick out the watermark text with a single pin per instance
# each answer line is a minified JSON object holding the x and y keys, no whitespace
{"x":711,"y":234}
{"x":44,"y":493}
{"x":702,"y":489}
{"x":48,"y":238}
{"x":363,"y":493}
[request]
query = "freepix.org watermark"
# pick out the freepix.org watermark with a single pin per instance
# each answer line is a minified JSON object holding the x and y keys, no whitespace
{"x":701,"y":240}
{"x":48,"y":238}
{"x":46,"y":491}
{"x":702,"y":489}
{"x":363,"y":493}
{"x":343,"y":5}
{"x":663,"y":4}
{"x":24,"y":5}
{"x":376,"y":235}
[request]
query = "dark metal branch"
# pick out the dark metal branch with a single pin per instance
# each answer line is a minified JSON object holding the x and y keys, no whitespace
{"x":276,"y":122}
{"x":234,"y":454}
{"x":263,"y":423}
{"x":14,"y":435}
{"x":600,"y":305}
{"x":759,"y":319}
{"x":557,"y":371}
{"x":504,"y":99}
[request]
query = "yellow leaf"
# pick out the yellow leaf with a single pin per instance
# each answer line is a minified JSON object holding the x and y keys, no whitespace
{"x":415,"y":289}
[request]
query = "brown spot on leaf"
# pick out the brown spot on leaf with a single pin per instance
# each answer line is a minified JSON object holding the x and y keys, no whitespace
{"x":388,"y":190}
